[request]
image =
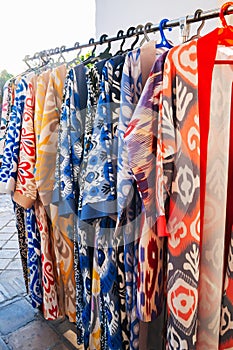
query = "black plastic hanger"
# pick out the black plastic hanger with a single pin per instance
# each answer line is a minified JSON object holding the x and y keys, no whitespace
{"x":92,"y":58}
{"x":106,"y":53}
{"x":164,"y":42}
{"x":120,"y":34}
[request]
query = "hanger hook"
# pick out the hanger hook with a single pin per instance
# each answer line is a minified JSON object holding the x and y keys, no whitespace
{"x":164,"y":41}
{"x":139,"y":29}
{"x":103,"y":40}
{"x":147,"y":26}
{"x":144,"y":29}
{"x":130,"y":31}
{"x":120,"y":35}
{"x":26,"y":58}
{"x":161,"y":28}
{"x":61,"y":57}
{"x":76,"y":45}
{"x":197,"y":14}
{"x":135,"y":31}
{"x":92,"y":42}
{"x":222,"y":13}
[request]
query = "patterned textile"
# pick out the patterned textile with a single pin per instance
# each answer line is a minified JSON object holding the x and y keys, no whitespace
{"x":68,"y":160}
{"x":7,"y":101}
{"x":110,"y":294}
{"x":50,"y":297}
{"x":93,"y":84}
{"x":47,"y":146}
{"x":96,"y":205}
{"x":128,"y":200}
{"x":25,"y":190}
{"x":41,"y":89}
{"x":23,"y":240}
{"x":34,"y":260}
{"x":99,"y":186}
{"x":85,"y":233}
{"x":178,"y":179}
{"x":215,"y":108}
{"x":62,"y":238}
{"x":226,"y":331}
{"x":131,"y":219}
{"x":85,"y":236}
{"x":26,"y":195}
{"x":69,"y":154}
{"x":141,"y":138}
{"x":62,"y":230}
{"x":8,"y":170}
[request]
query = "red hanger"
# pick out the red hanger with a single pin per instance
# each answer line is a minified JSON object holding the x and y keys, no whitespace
{"x":222,"y":13}
{"x":225,"y":34}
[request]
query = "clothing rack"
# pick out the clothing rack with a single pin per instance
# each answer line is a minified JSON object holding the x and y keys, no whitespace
{"x":131,"y":32}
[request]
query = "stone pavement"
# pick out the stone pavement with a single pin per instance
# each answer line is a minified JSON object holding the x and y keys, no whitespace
{"x":21,"y":326}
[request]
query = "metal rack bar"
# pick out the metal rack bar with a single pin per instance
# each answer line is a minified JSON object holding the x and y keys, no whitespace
{"x":214,"y":13}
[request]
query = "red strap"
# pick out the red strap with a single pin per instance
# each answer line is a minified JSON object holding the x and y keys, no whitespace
{"x":206,"y":59}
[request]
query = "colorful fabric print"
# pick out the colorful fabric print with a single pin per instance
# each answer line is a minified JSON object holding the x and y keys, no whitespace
{"x":25,"y":190}
{"x":70,"y":148}
{"x":128,"y":225}
{"x":109,"y":288}
{"x":62,"y":233}
{"x":47,"y":146}
{"x":50,"y":297}
{"x":34,"y":260}
{"x":85,"y":236}
{"x":62,"y":236}
{"x":98,"y":329}
{"x":216,"y":225}
{"x":7,"y":100}
{"x":8,"y":170}
{"x":93,"y":88}
{"x":141,"y":139}
{"x":68,"y":159}
{"x":85,"y":233}
{"x":100,"y":189}
{"x":41,"y":90}
{"x":23,"y":240}
{"x":226,"y":334}
{"x":79,"y":292}
{"x":177,"y":172}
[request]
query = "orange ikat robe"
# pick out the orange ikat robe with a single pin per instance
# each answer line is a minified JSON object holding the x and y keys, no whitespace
{"x":192,"y":188}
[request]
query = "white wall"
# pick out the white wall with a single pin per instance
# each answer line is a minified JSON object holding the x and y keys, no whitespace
{"x":121,"y":14}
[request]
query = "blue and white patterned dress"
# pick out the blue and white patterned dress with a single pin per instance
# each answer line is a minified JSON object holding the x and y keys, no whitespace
{"x":8,"y":170}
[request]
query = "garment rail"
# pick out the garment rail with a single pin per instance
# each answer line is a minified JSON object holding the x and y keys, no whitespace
{"x":131,"y":32}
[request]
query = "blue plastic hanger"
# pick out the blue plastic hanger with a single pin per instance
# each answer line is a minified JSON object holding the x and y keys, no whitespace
{"x":164,"y":42}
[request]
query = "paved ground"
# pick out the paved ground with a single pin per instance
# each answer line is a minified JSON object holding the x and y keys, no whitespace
{"x":21,"y":326}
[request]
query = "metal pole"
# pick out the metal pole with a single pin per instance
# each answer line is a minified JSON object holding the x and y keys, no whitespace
{"x":214,"y":13}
